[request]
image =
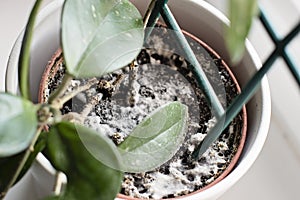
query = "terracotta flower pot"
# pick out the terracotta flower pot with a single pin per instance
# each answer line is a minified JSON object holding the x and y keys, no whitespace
{"x":53,"y":74}
{"x":198,"y":18}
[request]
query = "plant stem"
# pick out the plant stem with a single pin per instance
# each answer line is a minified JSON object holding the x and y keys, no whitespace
{"x":24,"y":58}
{"x":24,"y":159}
{"x":62,"y":99}
{"x":87,"y":109}
{"x":132,"y":91}
{"x":62,"y":89}
{"x":80,"y":117}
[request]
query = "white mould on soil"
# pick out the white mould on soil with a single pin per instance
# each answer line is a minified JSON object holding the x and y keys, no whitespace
{"x":160,"y":77}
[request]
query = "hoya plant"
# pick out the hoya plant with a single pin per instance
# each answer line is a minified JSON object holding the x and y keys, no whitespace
{"x":109,"y":35}
{"x":97,"y":37}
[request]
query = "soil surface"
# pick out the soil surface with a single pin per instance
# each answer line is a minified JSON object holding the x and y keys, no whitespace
{"x":159,"y":75}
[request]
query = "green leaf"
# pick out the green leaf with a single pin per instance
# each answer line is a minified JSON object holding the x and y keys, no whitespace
{"x":241,"y":14}
{"x":156,"y":139}
{"x":18,"y":124}
{"x":99,"y":37}
{"x":88,"y":177}
{"x":9,"y":165}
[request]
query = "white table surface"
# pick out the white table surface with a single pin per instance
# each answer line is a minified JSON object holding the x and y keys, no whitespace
{"x":275,"y":175}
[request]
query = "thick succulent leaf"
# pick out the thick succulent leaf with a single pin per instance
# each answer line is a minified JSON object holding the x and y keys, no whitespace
{"x":156,"y":139}
{"x":241,"y":14}
{"x":9,"y":165}
{"x":18,"y":124}
{"x":88,"y":177}
{"x":99,"y":37}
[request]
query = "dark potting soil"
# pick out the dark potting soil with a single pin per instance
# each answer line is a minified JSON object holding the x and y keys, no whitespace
{"x":159,"y":75}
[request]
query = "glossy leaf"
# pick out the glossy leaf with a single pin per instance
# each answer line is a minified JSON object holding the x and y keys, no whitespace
{"x":18,"y":124}
{"x":241,"y":14}
{"x":99,"y":37}
{"x":88,"y":178}
{"x":156,"y":139}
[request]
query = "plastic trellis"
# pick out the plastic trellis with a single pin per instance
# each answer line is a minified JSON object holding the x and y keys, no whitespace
{"x":280,"y":45}
{"x":224,"y":117}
